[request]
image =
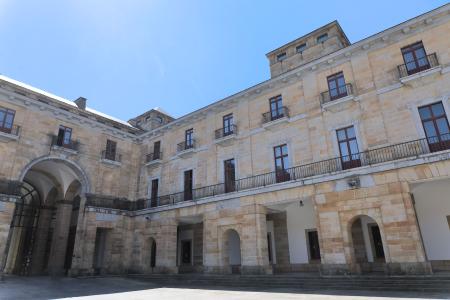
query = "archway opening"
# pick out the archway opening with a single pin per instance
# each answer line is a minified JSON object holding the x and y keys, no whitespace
{"x":367,"y":244}
{"x":42,"y":234}
{"x":232,"y":251}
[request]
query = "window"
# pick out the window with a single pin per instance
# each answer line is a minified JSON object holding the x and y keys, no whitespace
{"x":415,"y":58}
{"x":348,"y":147}
{"x":64,"y":136}
{"x":230,"y":175}
{"x":435,"y":125}
{"x":322,"y":38}
{"x":111,"y":149}
{"x":189,"y":138}
{"x":154,"y":193}
{"x":336,"y":86}
{"x":228,"y":125}
{"x":6,"y":119}
{"x":276,"y":108}
{"x":301,"y":48}
{"x":157,"y":150}
{"x":188,"y":185}
{"x":281,"y":163}
{"x":281,"y":56}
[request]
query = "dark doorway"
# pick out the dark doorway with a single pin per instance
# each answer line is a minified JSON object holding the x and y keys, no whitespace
{"x":186,"y":252}
{"x":313,"y":241}
{"x":230,"y":175}
{"x":188,"y":184}
{"x":153,"y":255}
{"x":99,"y":251}
{"x":269,"y":247}
{"x":377,"y":242}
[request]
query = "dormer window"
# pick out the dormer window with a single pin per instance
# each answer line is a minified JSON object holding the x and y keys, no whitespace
{"x":322,"y":38}
{"x":281,"y":56}
{"x":301,"y":48}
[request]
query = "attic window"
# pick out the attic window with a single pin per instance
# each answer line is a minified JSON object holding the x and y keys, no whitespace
{"x":281,"y":56}
{"x":322,"y":38}
{"x":301,"y":48}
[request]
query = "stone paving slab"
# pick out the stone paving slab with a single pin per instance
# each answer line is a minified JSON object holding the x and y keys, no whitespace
{"x":115,"y":288}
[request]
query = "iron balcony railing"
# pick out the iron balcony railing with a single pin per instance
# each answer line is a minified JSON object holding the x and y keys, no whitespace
{"x":324,"y":167}
{"x":153,"y":156}
{"x":186,"y":145}
{"x":340,"y":92}
{"x":14,"y":130}
{"x":112,"y":156}
{"x":226,"y":131}
{"x":275,"y":114}
{"x":418,"y":65}
{"x":59,"y":141}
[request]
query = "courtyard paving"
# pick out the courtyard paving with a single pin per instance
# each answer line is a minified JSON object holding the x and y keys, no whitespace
{"x":115,"y":288}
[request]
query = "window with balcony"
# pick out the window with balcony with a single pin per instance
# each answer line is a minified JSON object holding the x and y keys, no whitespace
{"x":281,"y":56}
{"x":156,"y":150}
{"x":348,"y":148}
{"x":228,"y":125}
{"x":336,"y":86}
{"x":6,"y":120}
{"x":300,"y":48}
{"x":436,"y":127}
{"x":189,"y":138}
{"x":322,"y":38}
{"x":230,"y":175}
{"x":154,"y":193}
{"x":64,"y":136}
{"x":188,"y":185}
{"x":111,"y":150}
{"x":276,"y":108}
{"x":281,"y":163}
{"x":415,"y":58}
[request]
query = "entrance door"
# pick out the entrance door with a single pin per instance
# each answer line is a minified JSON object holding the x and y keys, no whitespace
{"x":186,"y":252}
{"x":314,"y":249}
{"x":99,"y":252}
{"x":377,"y":242}
{"x":153,"y":255}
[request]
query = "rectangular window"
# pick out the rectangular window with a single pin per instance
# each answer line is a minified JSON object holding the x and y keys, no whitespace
{"x":189,"y":138}
{"x":188,"y":185}
{"x":276,"y":108}
{"x":228,"y":127}
{"x":157,"y":150}
{"x":6,"y":119}
{"x":111,"y":149}
{"x":281,"y":163}
{"x":281,"y":56}
{"x":436,"y":127}
{"x":336,"y":86}
{"x":322,"y":38}
{"x":230,"y":175}
{"x":415,"y":58}
{"x":348,"y":147}
{"x":154,"y":193}
{"x":301,"y":48}
{"x":64,"y":136}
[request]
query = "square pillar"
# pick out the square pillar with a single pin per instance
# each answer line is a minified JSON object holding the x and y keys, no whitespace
{"x":60,"y":237}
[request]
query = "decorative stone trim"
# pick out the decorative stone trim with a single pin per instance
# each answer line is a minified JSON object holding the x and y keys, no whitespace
{"x":64,"y":150}
{"x":274,"y":123}
{"x":328,"y":105}
{"x":426,"y":73}
{"x":111,"y":162}
{"x":153,"y":162}
{"x":6,"y":137}
{"x":226,"y":140}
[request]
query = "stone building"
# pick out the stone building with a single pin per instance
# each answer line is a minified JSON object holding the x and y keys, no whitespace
{"x":338,"y":164}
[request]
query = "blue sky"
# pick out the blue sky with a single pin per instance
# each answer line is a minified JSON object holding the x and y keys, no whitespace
{"x":126,"y":57}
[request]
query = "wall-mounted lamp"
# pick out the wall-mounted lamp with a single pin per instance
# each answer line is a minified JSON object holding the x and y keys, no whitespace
{"x":301,"y":204}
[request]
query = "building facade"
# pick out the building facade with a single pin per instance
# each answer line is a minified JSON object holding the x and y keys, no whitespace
{"x":338,"y":164}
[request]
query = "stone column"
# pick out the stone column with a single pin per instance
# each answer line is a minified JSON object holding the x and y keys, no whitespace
{"x":166,"y":247}
{"x":211,"y":253}
{"x":60,"y":237}
{"x":6,"y":214}
{"x":255,"y":256}
{"x":45,"y":218}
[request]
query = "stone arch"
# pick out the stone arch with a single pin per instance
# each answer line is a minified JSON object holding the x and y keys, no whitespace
{"x":81,"y":174}
{"x":231,"y":250}
{"x":366,"y":242}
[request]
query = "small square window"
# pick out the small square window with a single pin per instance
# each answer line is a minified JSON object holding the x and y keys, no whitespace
{"x":322,"y":38}
{"x":281,"y":56}
{"x":301,"y":48}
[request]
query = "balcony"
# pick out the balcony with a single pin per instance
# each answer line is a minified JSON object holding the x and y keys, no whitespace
{"x":61,"y":145}
{"x":225,"y":136}
{"x":272,"y":118}
{"x":111,"y":158}
{"x":341,"y":95}
{"x":153,"y":159}
{"x":406,"y":150}
{"x":186,"y":148}
{"x":418,"y":68}
{"x":9,"y":134}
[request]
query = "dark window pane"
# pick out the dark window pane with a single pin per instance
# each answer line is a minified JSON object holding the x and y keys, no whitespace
{"x":353,"y":146}
{"x":344,"y":149}
{"x":429,"y":129}
{"x":425,"y":113}
{"x":438,"y":109}
{"x":442,"y":126}
{"x":341,"y":134}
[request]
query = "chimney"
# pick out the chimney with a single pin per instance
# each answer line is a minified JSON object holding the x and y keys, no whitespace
{"x":81,"y":103}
